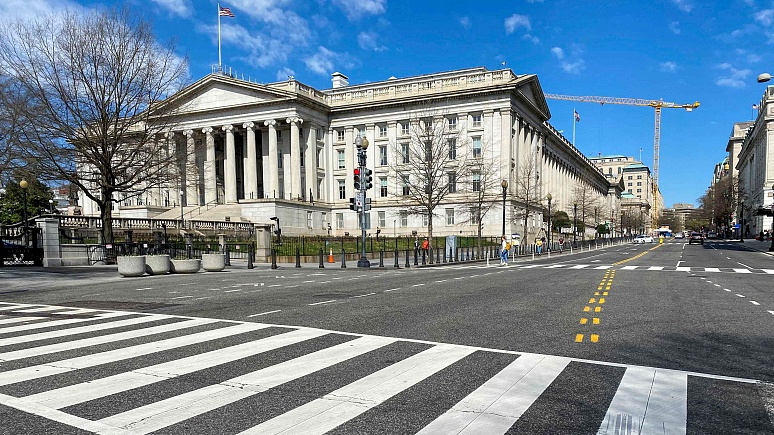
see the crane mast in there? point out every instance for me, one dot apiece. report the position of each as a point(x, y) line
point(657, 105)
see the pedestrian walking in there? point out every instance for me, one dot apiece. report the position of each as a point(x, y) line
point(425, 245)
point(504, 248)
point(538, 246)
point(561, 244)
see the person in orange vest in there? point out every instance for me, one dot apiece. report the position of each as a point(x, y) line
point(425, 245)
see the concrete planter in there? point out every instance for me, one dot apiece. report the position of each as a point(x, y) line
point(131, 265)
point(213, 262)
point(157, 264)
point(185, 266)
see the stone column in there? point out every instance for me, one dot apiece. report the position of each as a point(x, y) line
point(272, 169)
point(251, 168)
point(505, 148)
point(173, 169)
point(295, 158)
point(49, 241)
point(191, 171)
point(310, 163)
point(210, 183)
point(349, 162)
point(229, 169)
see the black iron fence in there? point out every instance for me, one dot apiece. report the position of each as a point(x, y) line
point(311, 245)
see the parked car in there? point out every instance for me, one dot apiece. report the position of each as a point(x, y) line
point(696, 238)
point(643, 239)
point(712, 235)
point(680, 235)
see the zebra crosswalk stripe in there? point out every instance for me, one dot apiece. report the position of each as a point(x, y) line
point(18, 320)
point(57, 323)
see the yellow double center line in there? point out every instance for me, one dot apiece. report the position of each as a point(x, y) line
point(595, 306)
point(637, 256)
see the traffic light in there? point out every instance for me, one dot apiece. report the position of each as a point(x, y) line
point(352, 205)
point(357, 178)
point(367, 181)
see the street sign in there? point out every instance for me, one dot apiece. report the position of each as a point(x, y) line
point(359, 199)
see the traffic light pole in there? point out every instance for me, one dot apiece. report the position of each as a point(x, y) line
point(361, 156)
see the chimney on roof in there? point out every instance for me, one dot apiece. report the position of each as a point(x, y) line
point(339, 80)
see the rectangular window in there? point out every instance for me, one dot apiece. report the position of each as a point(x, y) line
point(382, 219)
point(302, 159)
point(383, 155)
point(619, 170)
point(309, 219)
point(639, 183)
point(630, 184)
point(474, 216)
point(405, 184)
point(452, 143)
point(639, 190)
point(383, 187)
point(340, 157)
point(610, 171)
point(428, 125)
point(279, 136)
point(630, 177)
point(639, 177)
point(452, 177)
point(424, 220)
point(477, 146)
point(404, 128)
point(324, 220)
point(279, 159)
point(428, 151)
point(476, 120)
point(340, 135)
point(476, 181)
point(382, 131)
point(342, 189)
point(403, 218)
point(339, 221)
point(404, 150)
point(452, 124)
point(449, 216)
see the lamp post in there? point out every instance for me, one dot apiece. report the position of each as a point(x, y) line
point(504, 185)
point(771, 235)
point(23, 184)
point(574, 221)
point(51, 205)
point(596, 222)
point(362, 145)
point(549, 198)
point(741, 221)
point(181, 209)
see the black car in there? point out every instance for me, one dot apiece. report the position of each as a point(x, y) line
point(696, 238)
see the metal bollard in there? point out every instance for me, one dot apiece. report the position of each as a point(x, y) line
point(343, 259)
point(322, 265)
point(416, 257)
point(444, 255)
point(407, 258)
point(298, 258)
point(396, 259)
point(228, 257)
point(424, 262)
point(381, 258)
point(273, 259)
point(250, 253)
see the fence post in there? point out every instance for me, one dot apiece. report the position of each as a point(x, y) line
point(298, 258)
point(273, 258)
point(322, 266)
point(407, 258)
point(396, 257)
point(416, 257)
point(343, 259)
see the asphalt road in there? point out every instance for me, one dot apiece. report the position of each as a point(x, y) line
point(670, 338)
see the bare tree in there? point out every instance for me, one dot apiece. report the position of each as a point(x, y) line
point(431, 160)
point(485, 189)
point(586, 199)
point(96, 84)
point(528, 192)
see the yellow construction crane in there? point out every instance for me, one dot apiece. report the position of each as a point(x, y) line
point(656, 104)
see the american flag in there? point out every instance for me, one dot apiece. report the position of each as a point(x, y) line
point(226, 12)
point(577, 116)
point(755, 106)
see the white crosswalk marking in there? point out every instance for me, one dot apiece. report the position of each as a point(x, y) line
point(647, 401)
point(149, 418)
point(629, 268)
point(496, 405)
point(18, 320)
point(656, 268)
point(56, 323)
point(711, 269)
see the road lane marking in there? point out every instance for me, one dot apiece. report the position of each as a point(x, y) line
point(392, 289)
point(741, 296)
point(324, 302)
point(362, 296)
point(232, 291)
point(754, 303)
point(264, 313)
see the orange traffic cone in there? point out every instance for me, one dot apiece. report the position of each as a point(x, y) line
point(330, 256)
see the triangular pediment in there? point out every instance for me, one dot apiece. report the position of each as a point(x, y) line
point(531, 91)
point(215, 93)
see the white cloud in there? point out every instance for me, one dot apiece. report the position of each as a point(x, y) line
point(668, 66)
point(674, 27)
point(465, 22)
point(355, 9)
point(765, 16)
point(27, 10)
point(733, 78)
point(573, 63)
point(262, 50)
point(326, 61)
point(180, 8)
point(284, 74)
point(535, 40)
point(367, 41)
point(516, 21)
point(683, 5)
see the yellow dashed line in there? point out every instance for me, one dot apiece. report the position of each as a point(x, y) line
point(594, 338)
point(584, 320)
point(579, 338)
point(595, 320)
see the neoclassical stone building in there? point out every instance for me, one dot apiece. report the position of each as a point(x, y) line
point(255, 151)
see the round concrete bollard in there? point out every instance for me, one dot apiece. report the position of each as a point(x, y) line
point(185, 266)
point(131, 265)
point(213, 262)
point(157, 264)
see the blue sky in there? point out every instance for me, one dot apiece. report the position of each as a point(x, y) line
point(676, 50)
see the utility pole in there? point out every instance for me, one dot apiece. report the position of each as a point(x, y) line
point(361, 204)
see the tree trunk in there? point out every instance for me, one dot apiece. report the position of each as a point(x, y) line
point(106, 215)
point(430, 235)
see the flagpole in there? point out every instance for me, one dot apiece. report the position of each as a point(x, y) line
point(573, 126)
point(220, 67)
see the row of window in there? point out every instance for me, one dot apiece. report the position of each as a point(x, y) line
point(449, 213)
point(405, 127)
point(406, 155)
point(405, 188)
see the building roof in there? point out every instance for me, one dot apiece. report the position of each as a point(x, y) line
point(612, 156)
point(636, 167)
point(627, 195)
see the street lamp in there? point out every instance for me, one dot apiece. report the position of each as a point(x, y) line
point(51, 205)
point(763, 78)
point(596, 222)
point(504, 185)
point(549, 198)
point(574, 221)
point(181, 209)
point(361, 144)
point(23, 184)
